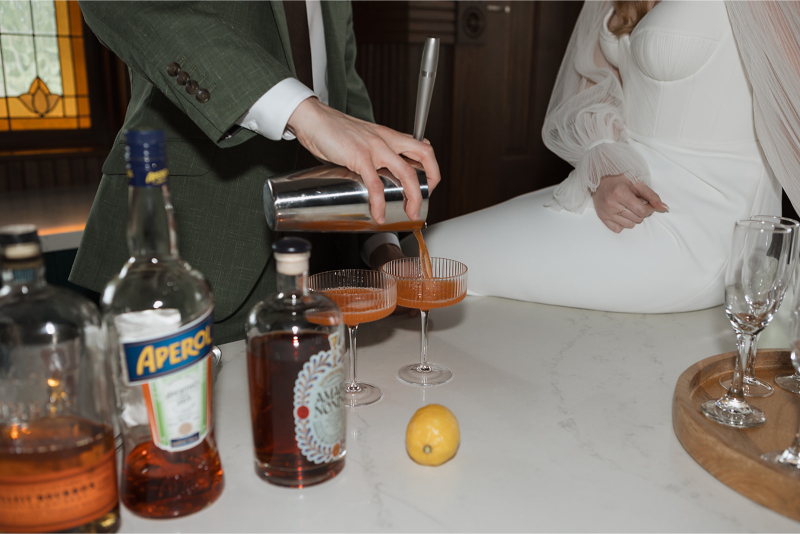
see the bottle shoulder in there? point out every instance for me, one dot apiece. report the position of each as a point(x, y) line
point(167, 284)
point(294, 312)
point(48, 304)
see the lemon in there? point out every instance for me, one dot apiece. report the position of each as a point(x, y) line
point(432, 436)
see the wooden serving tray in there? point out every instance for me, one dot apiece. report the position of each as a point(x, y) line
point(733, 455)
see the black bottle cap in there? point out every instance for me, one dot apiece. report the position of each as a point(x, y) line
point(14, 234)
point(291, 245)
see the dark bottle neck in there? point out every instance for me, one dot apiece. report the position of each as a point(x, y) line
point(151, 226)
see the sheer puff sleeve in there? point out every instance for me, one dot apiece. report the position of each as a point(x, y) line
point(767, 36)
point(584, 122)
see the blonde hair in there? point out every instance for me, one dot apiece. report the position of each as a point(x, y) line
point(629, 13)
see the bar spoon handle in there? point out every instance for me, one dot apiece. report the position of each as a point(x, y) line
point(427, 77)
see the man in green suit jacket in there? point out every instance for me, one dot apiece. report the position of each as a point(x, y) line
point(197, 68)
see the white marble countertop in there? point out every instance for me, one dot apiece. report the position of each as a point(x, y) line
point(566, 426)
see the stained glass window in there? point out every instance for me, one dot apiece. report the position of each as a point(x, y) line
point(43, 81)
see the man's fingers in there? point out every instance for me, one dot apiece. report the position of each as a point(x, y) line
point(418, 151)
point(408, 177)
point(377, 204)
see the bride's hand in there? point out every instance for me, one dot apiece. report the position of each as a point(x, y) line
point(621, 203)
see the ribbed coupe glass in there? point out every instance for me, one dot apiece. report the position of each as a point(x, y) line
point(363, 296)
point(447, 286)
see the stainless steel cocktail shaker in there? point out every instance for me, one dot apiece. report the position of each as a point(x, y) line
point(330, 198)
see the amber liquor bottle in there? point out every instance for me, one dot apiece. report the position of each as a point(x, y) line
point(159, 314)
point(295, 370)
point(58, 468)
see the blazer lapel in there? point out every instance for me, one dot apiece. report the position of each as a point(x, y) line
point(283, 31)
point(334, 48)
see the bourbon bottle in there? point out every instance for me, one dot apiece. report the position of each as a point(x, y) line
point(295, 370)
point(159, 315)
point(58, 467)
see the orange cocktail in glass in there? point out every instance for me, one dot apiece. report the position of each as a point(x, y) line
point(444, 286)
point(363, 296)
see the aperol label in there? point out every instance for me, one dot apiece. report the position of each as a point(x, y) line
point(60, 500)
point(147, 359)
point(174, 371)
point(319, 416)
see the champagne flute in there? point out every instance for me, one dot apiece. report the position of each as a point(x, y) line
point(446, 286)
point(755, 282)
point(363, 296)
point(755, 387)
point(790, 458)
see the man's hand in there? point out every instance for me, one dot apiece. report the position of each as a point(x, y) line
point(621, 203)
point(363, 148)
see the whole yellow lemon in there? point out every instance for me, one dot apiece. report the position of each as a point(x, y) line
point(432, 436)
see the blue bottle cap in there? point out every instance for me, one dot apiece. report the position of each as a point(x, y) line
point(144, 144)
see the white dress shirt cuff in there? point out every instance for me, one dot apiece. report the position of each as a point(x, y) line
point(270, 113)
point(375, 241)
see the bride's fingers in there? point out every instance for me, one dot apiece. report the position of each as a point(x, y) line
point(611, 225)
point(630, 215)
point(623, 221)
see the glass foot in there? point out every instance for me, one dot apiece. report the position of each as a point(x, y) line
point(732, 413)
point(784, 458)
point(362, 395)
point(753, 387)
point(434, 375)
point(789, 382)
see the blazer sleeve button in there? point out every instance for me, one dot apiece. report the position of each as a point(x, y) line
point(182, 78)
point(192, 87)
point(173, 69)
point(203, 96)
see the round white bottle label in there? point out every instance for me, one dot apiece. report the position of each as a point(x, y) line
point(319, 405)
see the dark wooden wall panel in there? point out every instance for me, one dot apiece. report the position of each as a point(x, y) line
point(25, 172)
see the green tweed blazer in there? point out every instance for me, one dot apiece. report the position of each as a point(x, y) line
point(237, 51)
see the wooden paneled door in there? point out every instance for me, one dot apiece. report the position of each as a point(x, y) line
point(506, 59)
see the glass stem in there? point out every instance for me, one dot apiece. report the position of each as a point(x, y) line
point(794, 449)
point(353, 386)
point(745, 343)
point(750, 367)
point(423, 343)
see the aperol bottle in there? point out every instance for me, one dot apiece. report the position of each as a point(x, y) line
point(295, 369)
point(159, 315)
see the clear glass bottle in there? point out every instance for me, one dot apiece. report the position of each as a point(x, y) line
point(58, 464)
point(159, 314)
point(296, 372)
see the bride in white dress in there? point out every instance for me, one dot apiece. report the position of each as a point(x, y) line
point(696, 103)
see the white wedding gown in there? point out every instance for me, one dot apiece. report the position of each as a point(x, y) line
point(684, 124)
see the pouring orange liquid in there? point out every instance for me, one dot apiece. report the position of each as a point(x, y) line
point(427, 293)
point(424, 256)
